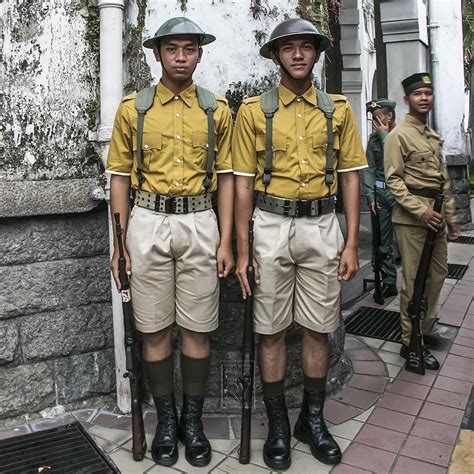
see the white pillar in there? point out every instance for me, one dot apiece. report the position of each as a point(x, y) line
point(111, 91)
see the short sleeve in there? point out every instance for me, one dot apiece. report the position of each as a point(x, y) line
point(243, 143)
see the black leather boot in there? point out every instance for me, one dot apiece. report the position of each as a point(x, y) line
point(431, 363)
point(311, 429)
point(277, 448)
point(164, 448)
point(191, 432)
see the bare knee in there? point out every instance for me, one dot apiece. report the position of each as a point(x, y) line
point(315, 337)
point(270, 342)
point(157, 342)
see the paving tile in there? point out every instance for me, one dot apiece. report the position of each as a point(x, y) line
point(459, 361)
point(368, 382)
point(346, 469)
point(462, 351)
point(358, 398)
point(305, 463)
point(52, 422)
point(392, 420)
point(391, 347)
point(409, 389)
point(231, 465)
point(371, 342)
point(258, 427)
point(443, 414)
point(362, 353)
point(352, 342)
point(381, 438)
point(110, 420)
point(427, 450)
point(426, 379)
point(124, 461)
point(449, 399)
point(396, 402)
point(369, 367)
point(16, 431)
point(458, 373)
point(463, 341)
point(216, 427)
point(451, 318)
point(435, 431)
point(367, 457)
point(412, 466)
point(337, 412)
point(393, 370)
point(453, 385)
point(468, 323)
point(391, 358)
point(347, 430)
point(109, 438)
point(224, 446)
point(440, 355)
point(365, 415)
point(86, 415)
point(183, 465)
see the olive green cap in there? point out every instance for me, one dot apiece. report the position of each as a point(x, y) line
point(375, 104)
point(179, 26)
point(294, 27)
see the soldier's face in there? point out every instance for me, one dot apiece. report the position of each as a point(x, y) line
point(179, 56)
point(298, 55)
point(421, 100)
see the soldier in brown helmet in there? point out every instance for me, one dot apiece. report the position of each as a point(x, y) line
point(291, 145)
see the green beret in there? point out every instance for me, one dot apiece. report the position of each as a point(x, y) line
point(417, 81)
point(375, 104)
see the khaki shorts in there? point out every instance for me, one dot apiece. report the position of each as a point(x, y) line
point(174, 269)
point(299, 260)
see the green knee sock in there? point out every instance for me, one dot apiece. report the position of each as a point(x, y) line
point(160, 376)
point(314, 384)
point(273, 389)
point(195, 373)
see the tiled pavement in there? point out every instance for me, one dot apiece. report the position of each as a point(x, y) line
point(385, 419)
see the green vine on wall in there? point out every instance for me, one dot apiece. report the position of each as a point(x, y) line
point(316, 12)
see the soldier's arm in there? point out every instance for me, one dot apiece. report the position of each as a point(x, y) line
point(368, 174)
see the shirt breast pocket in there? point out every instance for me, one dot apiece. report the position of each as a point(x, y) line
point(279, 145)
point(422, 161)
point(200, 147)
point(319, 149)
point(151, 147)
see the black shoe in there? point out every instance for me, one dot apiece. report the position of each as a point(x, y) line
point(164, 448)
point(430, 361)
point(311, 429)
point(389, 290)
point(277, 447)
point(191, 432)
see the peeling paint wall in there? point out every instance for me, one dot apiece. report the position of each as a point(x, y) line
point(50, 82)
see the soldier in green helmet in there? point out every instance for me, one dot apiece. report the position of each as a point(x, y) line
point(291, 145)
point(171, 145)
point(383, 120)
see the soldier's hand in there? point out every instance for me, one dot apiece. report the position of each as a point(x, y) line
point(432, 220)
point(374, 208)
point(348, 265)
point(241, 272)
point(379, 126)
point(114, 268)
point(225, 260)
point(453, 231)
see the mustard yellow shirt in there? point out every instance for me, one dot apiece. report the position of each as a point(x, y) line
point(299, 143)
point(174, 143)
point(413, 159)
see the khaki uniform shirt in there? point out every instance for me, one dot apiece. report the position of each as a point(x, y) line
point(413, 159)
point(299, 145)
point(174, 143)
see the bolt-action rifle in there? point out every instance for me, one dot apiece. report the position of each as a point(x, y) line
point(132, 352)
point(376, 254)
point(248, 359)
point(418, 305)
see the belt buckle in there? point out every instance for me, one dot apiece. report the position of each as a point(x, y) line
point(170, 204)
point(303, 208)
point(286, 208)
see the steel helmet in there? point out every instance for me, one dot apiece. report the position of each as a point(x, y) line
point(179, 26)
point(294, 27)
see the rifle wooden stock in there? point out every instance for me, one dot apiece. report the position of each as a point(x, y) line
point(415, 360)
point(248, 360)
point(377, 257)
point(132, 352)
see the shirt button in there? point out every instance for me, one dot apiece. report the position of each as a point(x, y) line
point(298, 99)
point(177, 183)
point(303, 184)
point(299, 115)
point(178, 136)
point(176, 97)
point(177, 115)
point(178, 161)
point(301, 137)
point(303, 161)
point(145, 146)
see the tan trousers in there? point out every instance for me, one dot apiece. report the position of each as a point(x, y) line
point(410, 242)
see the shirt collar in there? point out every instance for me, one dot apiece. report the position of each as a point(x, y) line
point(165, 95)
point(287, 96)
point(420, 126)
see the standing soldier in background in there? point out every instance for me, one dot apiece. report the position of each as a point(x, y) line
point(175, 253)
point(415, 172)
point(300, 254)
point(383, 120)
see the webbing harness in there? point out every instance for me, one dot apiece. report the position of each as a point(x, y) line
point(269, 103)
point(207, 102)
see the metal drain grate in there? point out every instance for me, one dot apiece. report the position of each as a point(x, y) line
point(374, 322)
point(65, 449)
point(463, 239)
point(456, 271)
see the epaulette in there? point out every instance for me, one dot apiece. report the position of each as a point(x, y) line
point(128, 97)
point(251, 100)
point(219, 98)
point(338, 98)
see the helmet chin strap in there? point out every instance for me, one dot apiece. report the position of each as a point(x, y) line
point(283, 68)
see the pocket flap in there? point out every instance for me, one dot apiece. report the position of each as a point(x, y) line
point(320, 140)
point(278, 142)
point(150, 141)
